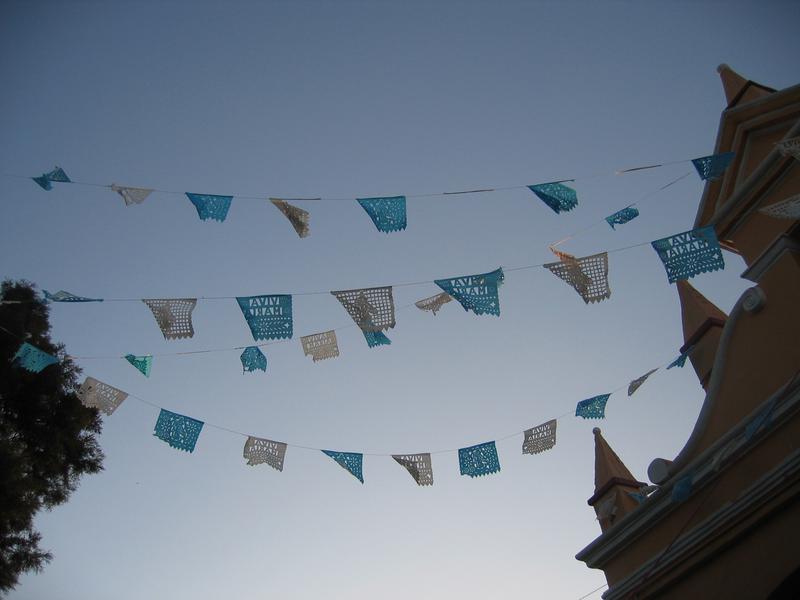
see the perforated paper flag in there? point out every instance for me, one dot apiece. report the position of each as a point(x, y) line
point(556, 195)
point(259, 451)
point(178, 431)
point(588, 275)
point(690, 253)
point(320, 346)
point(477, 293)
point(131, 195)
point(785, 209)
point(62, 296)
point(712, 167)
point(298, 217)
point(173, 315)
point(253, 358)
point(376, 338)
point(388, 214)
point(478, 460)
point(372, 309)
point(540, 438)
point(682, 489)
point(593, 408)
point(434, 303)
point(790, 147)
point(32, 359)
point(211, 207)
point(636, 383)
point(680, 361)
point(622, 216)
point(419, 465)
point(269, 317)
point(99, 395)
point(351, 461)
point(142, 363)
point(46, 179)
point(762, 419)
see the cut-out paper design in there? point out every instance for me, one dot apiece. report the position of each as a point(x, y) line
point(62, 296)
point(320, 346)
point(46, 179)
point(96, 394)
point(259, 451)
point(785, 209)
point(173, 315)
point(351, 461)
point(637, 383)
point(269, 317)
point(593, 408)
point(588, 275)
point(372, 309)
point(712, 167)
point(680, 361)
point(622, 216)
point(540, 438)
point(477, 293)
point(178, 431)
point(388, 214)
point(253, 358)
point(682, 489)
point(478, 460)
point(556, 195)
point(376, 338)
point(762, 419)
point(434, 303)
point(790, 147)
point(211, 207)
point(131, 195)
point(690, 253)
point(298, 217)
point(142, 363)
point(419, 465)
point(32, 359)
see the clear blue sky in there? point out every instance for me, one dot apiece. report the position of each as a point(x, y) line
point(349, 99)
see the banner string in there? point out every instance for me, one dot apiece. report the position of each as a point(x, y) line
point(481, 190)
point(560, 417)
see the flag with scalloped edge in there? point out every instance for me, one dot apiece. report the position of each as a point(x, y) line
point(592, 408)
point(690, 253)
point(711, 168)
point(45, 180)
point(142, 363)
point(179, 431)
point(388, 213)
point(33, 359)
point(556, 195)
point(62, 296)
point(350, 461)
point(210, 206)
point(477, 293)
point(478, 460)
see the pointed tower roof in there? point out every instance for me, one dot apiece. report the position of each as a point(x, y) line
point(702, 326)
point(607, 465)
point(739, 90)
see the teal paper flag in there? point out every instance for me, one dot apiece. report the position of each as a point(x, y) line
point(45, 180)
point(32, 359)
point(712, 167)
point(177, 430)
point(622, 216)
point(142, 363)
point(253, 358)
point(680, 361)
point(269, 317)
point(477, 293)
point(593, 408)
point(556, 195)
point(388, 214)
point(376, 338)
point(211, 207)
point(690, 253)
point(682, 489)
point(478, 460)
point(62, 296)
point(350, 461)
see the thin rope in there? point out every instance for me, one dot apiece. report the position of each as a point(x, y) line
point(481, 190)
point(595, 590)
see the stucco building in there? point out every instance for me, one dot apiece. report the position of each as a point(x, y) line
point(722, 518)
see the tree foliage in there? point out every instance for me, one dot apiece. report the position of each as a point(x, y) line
point(47, 437)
